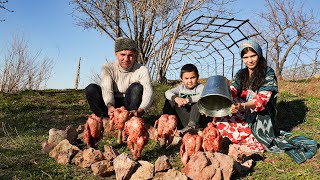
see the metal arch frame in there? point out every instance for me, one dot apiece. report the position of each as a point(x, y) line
point(213, 35)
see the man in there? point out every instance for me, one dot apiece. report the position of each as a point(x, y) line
point(123, 83)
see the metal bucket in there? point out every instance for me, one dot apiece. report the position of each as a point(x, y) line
point(215, 100)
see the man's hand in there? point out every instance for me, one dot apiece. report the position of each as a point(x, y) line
point(181, 101)
point(137, 113)
point(111, 110)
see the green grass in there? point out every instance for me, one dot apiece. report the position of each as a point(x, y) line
point(26, 118)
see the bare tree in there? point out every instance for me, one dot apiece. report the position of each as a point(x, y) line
point(315, 68)
point(22, 69)
point(2, 6)
point(290, 28)
point(154, 24)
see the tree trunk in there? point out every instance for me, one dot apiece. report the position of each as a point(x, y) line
point(118, 33)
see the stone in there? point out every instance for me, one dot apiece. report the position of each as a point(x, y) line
point(239, 153)
point(124, 166)
point(103, 168)
point(151, 130)
point(56, 136)
point(162, 164)
point(110, 153)
point(174, 174)
point(226, 164)
point(63, 152)
point(78, 159)
point(46, 147)
point(145, 171)
point(176, 140)
point(195, 165)
point(91, 156)
point(71, 134)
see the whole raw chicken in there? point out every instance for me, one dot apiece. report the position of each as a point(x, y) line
point(212, 139)
point(167, 125)
point(137, 136)
point(93, 131)
point(191, 143)
point(118, 119)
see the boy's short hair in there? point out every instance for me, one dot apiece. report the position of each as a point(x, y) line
point(189, 68)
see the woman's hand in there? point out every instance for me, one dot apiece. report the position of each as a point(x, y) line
point(235, 108)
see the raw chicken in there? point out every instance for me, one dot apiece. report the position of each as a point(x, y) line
point(212, 139)
point(167, 125)
point(191, 143)
point(137, 136)
point(93, 131)
point(118, 119)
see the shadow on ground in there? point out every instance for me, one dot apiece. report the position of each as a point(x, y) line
point(290, 114)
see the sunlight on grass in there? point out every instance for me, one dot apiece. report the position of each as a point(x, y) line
point(27, 116)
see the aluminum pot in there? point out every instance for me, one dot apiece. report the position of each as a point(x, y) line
point(215, 100)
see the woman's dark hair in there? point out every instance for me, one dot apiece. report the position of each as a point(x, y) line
point(259, 73)
point(189, 68)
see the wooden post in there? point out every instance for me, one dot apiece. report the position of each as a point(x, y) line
point(76, 82)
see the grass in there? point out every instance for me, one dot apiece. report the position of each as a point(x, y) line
point(26, 118)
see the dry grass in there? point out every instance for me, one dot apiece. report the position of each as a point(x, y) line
point(27, 117)
point(302, 87)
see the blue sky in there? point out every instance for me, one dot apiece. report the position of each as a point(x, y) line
point(49, 27)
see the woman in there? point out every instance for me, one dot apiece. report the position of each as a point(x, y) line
point(255, 89)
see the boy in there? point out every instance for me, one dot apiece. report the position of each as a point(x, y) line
point(182, 100)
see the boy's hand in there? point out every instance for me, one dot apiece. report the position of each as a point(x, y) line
point(181, 101)
point(203, 114)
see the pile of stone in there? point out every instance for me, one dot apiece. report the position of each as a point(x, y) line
point(62, 146)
